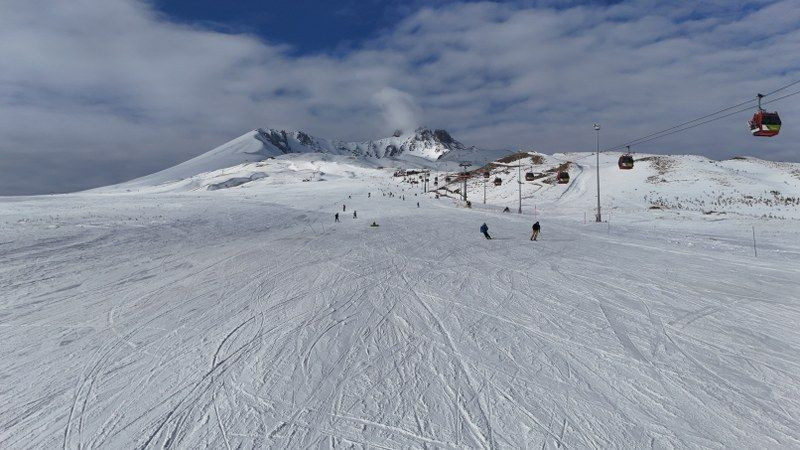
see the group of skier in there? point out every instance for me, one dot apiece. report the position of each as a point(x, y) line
point(355, 213)
point(336, 216)
point(534, 231)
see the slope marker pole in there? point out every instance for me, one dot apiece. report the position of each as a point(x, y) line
point(755, 250)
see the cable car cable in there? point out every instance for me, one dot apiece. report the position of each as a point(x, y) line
point(782, 88)
point(644, 138)
point(668, 131)
point(717, 118)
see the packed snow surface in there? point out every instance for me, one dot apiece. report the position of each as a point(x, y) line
point(226, 309)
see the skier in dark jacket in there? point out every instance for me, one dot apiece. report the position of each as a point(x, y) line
point(485, 231)
point(355, 216)
point(336, 217)
point(344, 208)
point(535, 231)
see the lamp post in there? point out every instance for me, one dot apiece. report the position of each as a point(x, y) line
point(465, 165)
point(598, 217)
point(519, 184)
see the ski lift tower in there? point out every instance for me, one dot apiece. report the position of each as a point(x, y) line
point(465, 165)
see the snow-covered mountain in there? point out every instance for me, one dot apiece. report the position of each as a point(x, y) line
point(658, 184)
point(421, 146)
point(238, 301)
point(423, 142)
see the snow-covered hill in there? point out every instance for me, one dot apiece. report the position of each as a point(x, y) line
point(245, 317)
point(657, 185)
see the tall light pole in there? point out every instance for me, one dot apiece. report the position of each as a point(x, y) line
point(519, 183)
point(598, 218)
point(464, 176)
point(484, 189)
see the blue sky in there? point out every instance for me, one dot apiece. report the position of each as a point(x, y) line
point(312, 26)
point(308, 26)
point(94, 92)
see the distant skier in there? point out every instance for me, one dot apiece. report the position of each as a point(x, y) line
point(417, 204)
point(355, 216)
point(369, 194)
point(535, 231)
point(344, 208)
point(336, 217)
point(485, 231)
point(506, 209)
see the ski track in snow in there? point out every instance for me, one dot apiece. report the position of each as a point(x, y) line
point(247, 318)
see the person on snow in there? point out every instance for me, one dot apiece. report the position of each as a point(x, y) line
point(535, 231)
point(336, 217)
point(506, 209)
point(485, 231)
point(369, 194)
point(344, 208)
point(417, 204)
point(355, 216)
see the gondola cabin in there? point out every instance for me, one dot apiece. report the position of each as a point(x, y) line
point(498, 181)
point(529, 176)
point(562, 178)
point(625, 162)
point(765, 124)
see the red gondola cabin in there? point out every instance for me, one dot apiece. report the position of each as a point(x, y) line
point(765, 124)
point(625, 162)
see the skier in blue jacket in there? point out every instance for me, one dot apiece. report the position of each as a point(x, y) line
point(485, 231)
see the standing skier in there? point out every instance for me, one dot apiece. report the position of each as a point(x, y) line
point(336, 217)
point(344, 208)
point(355, 216)
point(485, 231)
point(535, 231)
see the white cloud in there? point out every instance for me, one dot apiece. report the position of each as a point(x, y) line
point(97, 91)
point(399, 109)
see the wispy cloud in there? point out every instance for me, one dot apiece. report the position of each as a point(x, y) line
point(98, 91)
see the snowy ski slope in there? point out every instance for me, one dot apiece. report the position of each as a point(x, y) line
point(242, 317)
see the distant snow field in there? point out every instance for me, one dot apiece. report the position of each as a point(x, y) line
point(218, 304)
